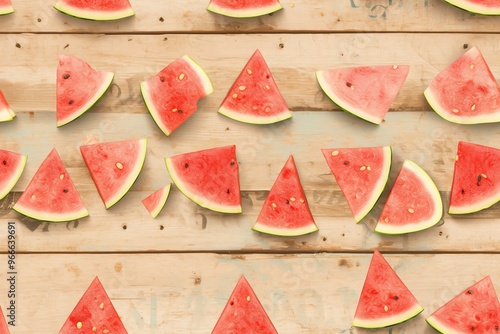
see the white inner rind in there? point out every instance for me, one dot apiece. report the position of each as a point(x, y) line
point(93, 14)
point(165, 191)
point(286, 232)
point(389, 321)
point(475, 7)
point(247, 12)
point(254, 119)
point(201, 74)
point(6, 10)
point(6, 114)
point(474, 207)
point(50, 216)
point(14, 177)
point(440, 327)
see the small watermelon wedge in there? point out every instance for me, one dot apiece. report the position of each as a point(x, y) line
point(172, 95)
point(484, 7)
point(11, 168)
point(209, 177)
point(51, 194)
point(475, 310)
point(6, 114)
point(78, 88)
point(361, 174)
point(414, 203)
point(285, 211)
point(476, 178)
point(385, 300)
point(244, 313)
point(466, 92)
point(4, 328)
point(94, 313)
point(244, 8)
point(367, 91)
point(98, 10)
point(6, 7)
point(254, 97)
point(114, 167)
point(156, 201)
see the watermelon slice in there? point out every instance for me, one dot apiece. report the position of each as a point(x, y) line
point(6, 7)
point(156, 201)
point(99, 10)
point(244, 313)
point(476, 179)
point(6, 114)
point(244, 8)
point(11, 167)
point(466, 92)
point(51, 195)
point(78, 88)
point(114, 167)
point(367, 91)
point(285, 211)
point(414, 202)
point(254, 97)
point(172, 95)
point(208, 177)
point(4, 328)
point(385, 300)
point(484, 7)
point(94, 313)
point(475, 310)
point(361, 174)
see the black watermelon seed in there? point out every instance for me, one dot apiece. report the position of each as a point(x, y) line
point(228, 191)
point(179, 111)
point(479, 180)
point(396, 297)
point(463, 191)
point(348, 84)
point(232, 163)
point(470, 292)
point(65, 190)
point(346, 162)
point(71, 101)
point(472, 328)
point(4, 162)
point(162, 79)
point(287, 202)
point(496, 328)
point(66, 76)
point(186, 165)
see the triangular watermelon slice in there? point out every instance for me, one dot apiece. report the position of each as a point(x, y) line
point(385, 300)
point(99, 10)
point(254, 97)
point(114, 167)
point(172, 95)
point(94, 313)
point(466, 92)
point(6, 114)
point(361, 174)
point(476, 179)
point(78, 88)
point(6, 7)
point(156, 201)
point(484, 7)
point(367, 91)
point(11, 168)
point(51, 195)
point(414, 203)
point(208, 177)
point(475, 310)
point(243, 313)
point(285, 211)
point(244, 8)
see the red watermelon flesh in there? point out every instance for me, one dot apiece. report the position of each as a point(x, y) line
point(466, 92)
point(385, 300)
point(11, 167)
point(361, 174)
point(114, 167)
point(476, 179)
point(475, 310)
point(285, 211)
point(208, 177)
point(243, 313)
point(51, 194)
point(172, 95)
point(254, 97)
point(6, 114)
point(244, 8)
point(4, 328)
point(6, 7)
point(485, 7)
point(94, 313)
point(96, 9)
point(155, 201)
point(367, 91)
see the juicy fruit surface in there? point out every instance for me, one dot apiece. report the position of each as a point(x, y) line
point(78, 87)
point(155, 202)
point(243, 313)
point(11, 167)
point(208, 177)
point(114, 167)
point(474, 310)
point(476, 178)
point(101, 10)
point(361, 174)
point(385, 300)
point(466, 91)
point(51, 194)
point(367, 92)
point(254, 97)
point(414, 202)
point(94, 313)
point(486, 7)
point(172, 95)
point(285, 210)
point(244, 8)
point(101, 5)
point(6, 114)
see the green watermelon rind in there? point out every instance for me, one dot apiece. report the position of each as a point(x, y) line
point(474, 8)
point(478, 206)
point(384, 228)
point(50, 216)
point(94, 15)
point(389, 321)
point(8, 9)
point(106, 83)
point(252, 119)
point(438, 326)
point(16, 175)
point(244, 13)
point(161, 203)
point(285, 232)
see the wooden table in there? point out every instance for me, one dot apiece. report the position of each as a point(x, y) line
point(175, 273)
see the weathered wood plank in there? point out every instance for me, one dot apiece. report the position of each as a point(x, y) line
point(155, 16)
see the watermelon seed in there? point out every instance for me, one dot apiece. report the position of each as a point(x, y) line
point(66, 76)
point(179, 111)
point(267, 87)
point(368, 168)
point(395, 67)
point(473, 107)
point(235, 95)
point(362, 168)
point(101, 306)
point(174, 110)
point(249, 71)
point(4, 162)
point(496, 327)
point(463, 191)
point(65, 190)
point(410, 210)
point(471, 66)
point(301, 200)
point(162, 79)
point(186, 165)
point(470, 292)
point(396, 297)
point(61, 176)
point(71, 101)
point(386, 220)
point(274, 205)
point(79, 325)
point(335, 153)
point(357, 196)
point(267, 109)
point(181, 77)
point(472, 328)
point(292, 199)
point(478, 180)
point(287, 202)
point(231, 303)
point(119, 165)
point(455, 110)
point(94, 329)
point(386, 308)
point(484, 176)
point(106, 331)
point(232, 163)
point(346, 162)
point(348, 84)
point(248, 298)
point(228, 191)
point(456, 157)
point(242, 88)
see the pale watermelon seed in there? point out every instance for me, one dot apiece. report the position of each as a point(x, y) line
point(267, 87)
point(455, 110)
point(357, 196)
point(235, 95)
point(410, 210)
point(386, 220)
point(386, 308)
point(292, 199)
point(395, 67)
point(274, 205)
point(473, 107)
point(362, 168)
point(368, 168)
point(66, 76)
point(119, 165)
point(242, 88)
point(301, 200)
point(335, 153)
point(248, 298)
point(94, 329)
point(484, 176)
point(105, 331)
point(101, 306)
point(61, 176)
point(471, 66)
point(456, 157)
point(249, 71)
point(79, 325)
point(267, 109)
point(174, 110)
point(181, 77)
